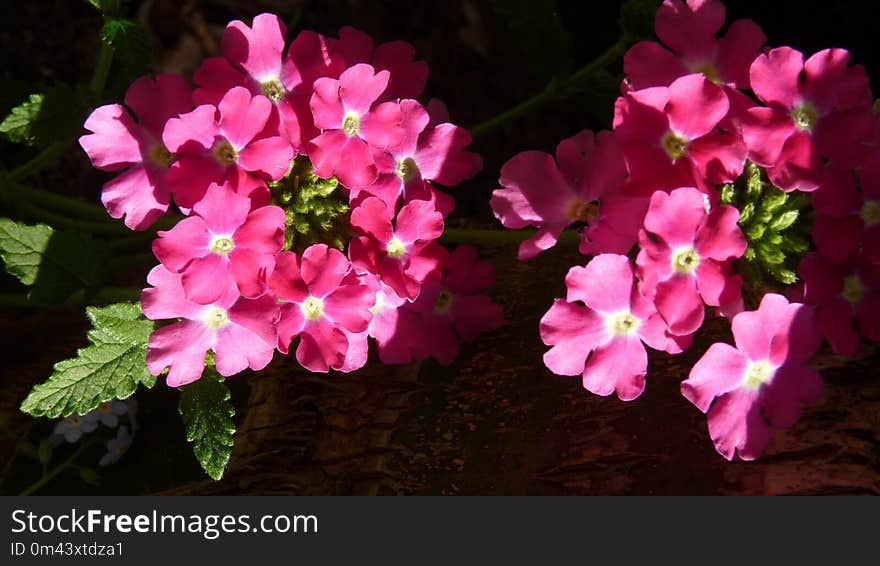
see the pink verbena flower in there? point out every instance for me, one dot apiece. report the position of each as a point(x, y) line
point(690, 30)
point(230, 150)
point(140, 193)
point(685, 257)
point(407, 78)
point(764, 378)
point(352, 125)
point(670, 135)
point(403, 254)
point(447, 308)
point(603, 338)
point(815, 109)
point(847, 299)
point(325, 300)
point(386, 326)
point(846, 218)
point(223, 246)
point(426, 153)
point(241, 332)
point(584, 184)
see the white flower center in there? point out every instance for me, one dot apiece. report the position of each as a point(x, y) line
point(216, 318)
point(222, 244)
point(685, 260)
point(312, 308)
point(395, 248)
point(622, 323)
point(805, 116)
point(351, 125)
point(757, 374)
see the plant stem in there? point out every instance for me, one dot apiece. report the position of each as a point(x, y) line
point(555, 89)
point(47, 477)
point(470, 236)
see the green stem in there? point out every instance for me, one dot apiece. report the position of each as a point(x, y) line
point(47, 477)
point(554, 90)
point(41, 160)
point(470, 236)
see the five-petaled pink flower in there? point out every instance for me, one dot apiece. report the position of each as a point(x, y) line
point(815, 109)
point(324, 300)
point(117, 142)
point(685, 257)
point(403, 254)
point(764, 378)
point(352, 125)
point(584, 184)
point(603, 338)
point(222, 246)
point(241, 332)
point(231, 150)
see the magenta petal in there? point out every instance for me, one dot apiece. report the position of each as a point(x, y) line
point(620, 365)
point(249, 340)
point(593, 165)
point(696, 105)
point(214, 77)
point(791, 387)
point(837, 196)
point(373, 218)
point(676, 216)
point(647, 64)
point(736, 51)
point(408, 77)
point(197, 128)
point(837, 238)
point(268, 155)
point(357, 353)
point(765, 131)
point(208, 278)
point(841, 137)
point(418, 222)
point(262, 231)
point(180, 348)
point(441, 155)
point(753, 330)
point(348, 306)
point(797, 335)
point(325, 104)
point(543, 240)
point(736, 424)
point(354, 166)
point(720, 236)
point(383, 126)
point(605, 284)
point(535, 192)
point(154, 101)
point(242, 117)
point(166, 299)
point(717, 287)
point(188, 239)
point(836, 321)
point(323, 268)
point(257, 50)
point(679, 303)
point(573, 331)
point(718, 156)
point(799, 166)
point(139, 194)
point(360, 86)
point(222, 210)
point(248, 269)
point(290, 324)
point(720, 370)
point(321, 347)
point(115, 141)
point(690, 26)
point(775, 76)
point(473, 315)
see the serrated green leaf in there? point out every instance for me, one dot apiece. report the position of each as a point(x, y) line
point(54, 264)
point(207, 416)
point(110, 367)
point(43, 118)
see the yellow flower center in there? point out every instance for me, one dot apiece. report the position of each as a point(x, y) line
point(444, 302)
point(757, 374)
point(853, 290)
point(582, 211)
point(685, 260)
point(622, 324)
point(222, 245)
point(395, 248)
point(406, 169)
point(708, 70)
point(160, 155)
point(674, 145)
point(216, 318)
point(805, 116)
point(225, 153)
point(273, 90)
point(351, 125)
point(870, 212)
point(312, 308)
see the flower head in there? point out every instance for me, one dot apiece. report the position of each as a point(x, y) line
point(116, 447)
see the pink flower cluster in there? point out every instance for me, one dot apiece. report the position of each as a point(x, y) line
point(224, 279)
point(645, 200)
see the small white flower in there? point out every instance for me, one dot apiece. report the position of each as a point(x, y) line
point(73, 427)
point(116, 447)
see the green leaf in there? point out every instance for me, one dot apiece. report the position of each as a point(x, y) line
point(538, 31)
point(207, 416)
point(746, 214)
point(131, 46)
point(43, 118)
point(770, 254)
point(54, 264)
point(110, 367)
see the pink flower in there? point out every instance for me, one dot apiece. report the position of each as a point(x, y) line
point(847, 299)
point(670, 135)
point(325, 301)
point(584, 184)
point(407, 78)
point(685, 257)
point(241, 332)
point(689, 29)
point(401, 255)
point(765, 377)
point(353, 125)
point(445, 309)
point(426, 153)
point(117, 142)
point(231, 150)
point(602, 339)
point(387, 327)
point(223, 246)
point(847, 219)
point(821, 108)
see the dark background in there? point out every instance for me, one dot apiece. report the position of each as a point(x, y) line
point(480, 67)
